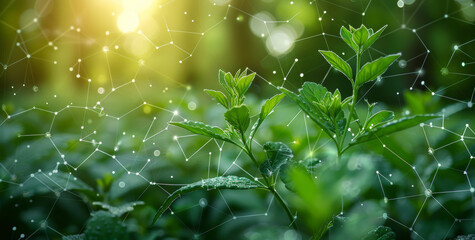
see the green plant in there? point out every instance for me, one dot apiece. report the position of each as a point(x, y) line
point(236, 132)
point(327, 110)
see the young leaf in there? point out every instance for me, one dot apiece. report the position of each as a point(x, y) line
point(335, 106)
point(347, 37)
point(310, 109)
point(338, 63)
point(238, 117)
point(370, 71)
point(219, 96)
point(360, 36)
point(277, 154)
point(378, 118)
point(373, 38)
point(269, 105)
point(392, 127)
point(266, 109)
point(244, 83)
point(230, 81)
point(222, 81)
point(227, 182)
point(203, 129)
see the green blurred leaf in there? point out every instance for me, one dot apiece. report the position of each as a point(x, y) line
point(105, 226)
point(381, 233)
point(227, 182)
point(370, 71)
point(308, 165)
point(465, 237)
point(392, 127)
point(74, 237)
point(338, 63)
point(56, 182)
point(203, 129)
point(120, 210)
point(378, 119)
point(238, 117)
point(218, 96)
point(277, 154)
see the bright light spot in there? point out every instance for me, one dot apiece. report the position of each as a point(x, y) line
point(128, 21)
point(280, 41)
point(400, 4)
point(137, 5)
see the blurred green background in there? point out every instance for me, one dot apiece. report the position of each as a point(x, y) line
point(116, 71)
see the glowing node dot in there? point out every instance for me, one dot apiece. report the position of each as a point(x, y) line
point(428, 193)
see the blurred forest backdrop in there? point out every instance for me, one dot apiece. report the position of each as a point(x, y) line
point(88, 87)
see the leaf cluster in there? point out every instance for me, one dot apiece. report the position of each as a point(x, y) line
point(335, 115)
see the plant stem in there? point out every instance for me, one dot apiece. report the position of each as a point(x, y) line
point(285, 207)
point(340, 147)
point(269, 187)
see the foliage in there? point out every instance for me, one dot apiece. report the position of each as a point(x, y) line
point(238, 120)
point(327, 109)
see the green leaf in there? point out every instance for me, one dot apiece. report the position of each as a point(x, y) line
point(340, 122)
point(45, 182)
point(120, 210)
point(338, 63)
point(335, 106)
point(266, 110)
point(238, 117)
point(378, 118)
point(269, 105)
point(218, 96)
point(244, 83)
point(203, 129)
point(313, 92)
point(74, 237)
point(277, 154)
point(392, 127)
point(360, 36)
point(347, 37)
point(309, 165)
point(227, 182)
point(105, 226)
point(229, 79)
point(310, 109)
point(381, 233)
point(370, 71)
point(465, 237)
point(222, 81)
point(373, 38)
